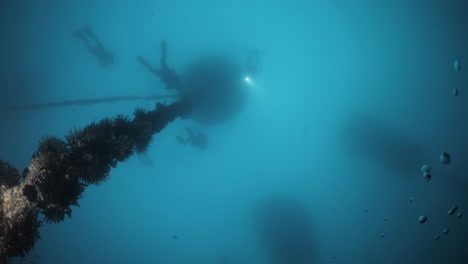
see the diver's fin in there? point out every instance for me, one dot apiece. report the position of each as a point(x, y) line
point(87, 30)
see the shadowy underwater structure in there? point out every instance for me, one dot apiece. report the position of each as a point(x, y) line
point(62, 168)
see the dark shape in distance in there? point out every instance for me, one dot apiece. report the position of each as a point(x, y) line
point(195, 138)
point(105, 57)
point(166, 74)
point(284, 228)
point(371, 139)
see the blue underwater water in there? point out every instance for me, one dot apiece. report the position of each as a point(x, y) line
point(322, 164)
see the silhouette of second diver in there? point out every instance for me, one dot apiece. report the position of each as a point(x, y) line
point(105, 57)
point(167, 75)
point(195, 138)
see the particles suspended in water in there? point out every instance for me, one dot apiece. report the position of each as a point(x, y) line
point(459, 215)
point(445, 231)
point(385, 218)
point(452, 210)
point(445, 158)
point(457, 66)
point(422, 219)
point(411, 199)
point(455, 91)
point(425, 168)
point(427, 176)
point(436, 237)
point(382, 235)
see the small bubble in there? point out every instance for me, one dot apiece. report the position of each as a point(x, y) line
point(427, 176)
point(452, 210)
point(455, 91)
point(445, 158)
point(436, 237)
point(422, 219)
point(425, 168)
point(385, 218)
point(382, 235)
point(411, 199)
point(457, 66)
point(445, 231)
point(459, 215)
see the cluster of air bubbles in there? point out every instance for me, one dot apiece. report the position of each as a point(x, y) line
point(426, 172)
point(445, 159)
point(451, 211)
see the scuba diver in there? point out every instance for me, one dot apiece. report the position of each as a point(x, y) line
point(195, 138)
point(167, 75)
point(104, 56)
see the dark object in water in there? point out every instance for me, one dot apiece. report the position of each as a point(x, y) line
point(104, 56)
point(370, 138)
point(284, 228)
point(196, 138)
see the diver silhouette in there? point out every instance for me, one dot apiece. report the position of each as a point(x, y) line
point(167, 75)
point(195, 138)
point(104, 56)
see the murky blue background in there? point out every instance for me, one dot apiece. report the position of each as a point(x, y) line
point(351, 99)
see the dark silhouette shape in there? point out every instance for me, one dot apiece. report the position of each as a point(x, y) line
point(219, 88)
point(105, 57)
point(370, 138)
point(167, 75)
point(195, 138)
point(284, 228)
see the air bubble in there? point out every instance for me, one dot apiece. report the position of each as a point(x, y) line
point(452, 210)
point(457, 66)
point(422, 219)
point(455, 91)
point(445, 231)
point(427, 176)
point(425, 168)
point(445, 158)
